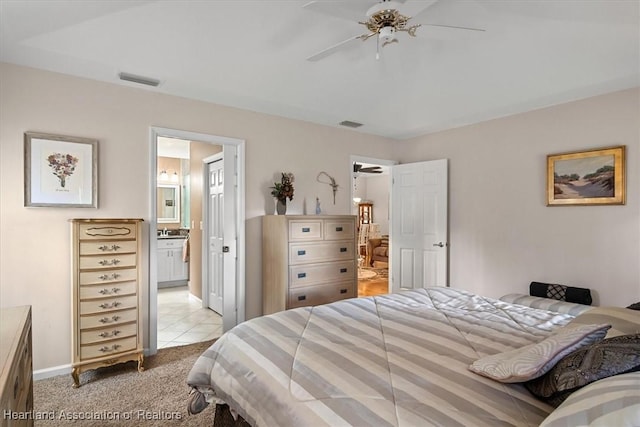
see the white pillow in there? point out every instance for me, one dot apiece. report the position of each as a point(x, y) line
point(534, 360)
point(613, 401)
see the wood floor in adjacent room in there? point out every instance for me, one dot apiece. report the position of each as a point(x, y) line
point(373, 281)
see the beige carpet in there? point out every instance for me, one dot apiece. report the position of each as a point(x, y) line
point(155, 397)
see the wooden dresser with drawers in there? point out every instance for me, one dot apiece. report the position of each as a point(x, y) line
point(107, 290)
point(16, 367)
point(307, 260)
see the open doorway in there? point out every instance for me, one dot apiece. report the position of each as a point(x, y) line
point(189, 219)
point(371, 185)
point(182, 319)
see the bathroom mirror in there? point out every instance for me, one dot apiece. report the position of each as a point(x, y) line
point(168, 205)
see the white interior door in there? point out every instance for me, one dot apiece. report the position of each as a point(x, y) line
point(419, 225)
point(215, 238)
point(222, 235)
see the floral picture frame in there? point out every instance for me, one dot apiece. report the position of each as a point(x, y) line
point(60, 171)
point(593, 177)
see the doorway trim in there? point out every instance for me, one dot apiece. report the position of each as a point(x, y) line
point(150, 330)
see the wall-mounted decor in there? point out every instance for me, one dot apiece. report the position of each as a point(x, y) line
point(60, 171)
point(332, 183)
point(594, 177)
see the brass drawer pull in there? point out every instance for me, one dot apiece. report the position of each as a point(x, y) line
point(107, 262)
point(338, 228)
point(343, 291)
point(107, 320)
point(112, 348)
point(343, 249)
point(112, 276)
point(306, 229)
point(109, 335)
point(112, 305)
point(302, 297)
point(108, 292)
point(302, 275)
point(302, 252)
point(105, 248)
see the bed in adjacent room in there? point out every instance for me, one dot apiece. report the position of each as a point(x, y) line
point(422, 357)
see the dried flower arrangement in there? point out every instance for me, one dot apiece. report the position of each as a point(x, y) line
point(63, 166)
point(283, 189)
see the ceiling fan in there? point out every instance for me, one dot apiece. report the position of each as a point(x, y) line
point(358, 168)
point(384, 21)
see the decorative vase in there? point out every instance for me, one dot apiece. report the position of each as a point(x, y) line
point(281, 207)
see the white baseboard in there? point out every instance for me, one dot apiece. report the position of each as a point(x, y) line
point(194, 298)
point(41, 374)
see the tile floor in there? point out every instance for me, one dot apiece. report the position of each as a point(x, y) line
point(182, 320)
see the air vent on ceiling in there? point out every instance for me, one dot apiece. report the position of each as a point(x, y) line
point(139, 79)
point(350, 124)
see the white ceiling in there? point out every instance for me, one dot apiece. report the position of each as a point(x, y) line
point(252, 55)
point(173, 147)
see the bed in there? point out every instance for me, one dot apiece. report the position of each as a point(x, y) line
point(401, 359)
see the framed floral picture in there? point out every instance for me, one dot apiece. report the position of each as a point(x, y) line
point(595, 177)
point(60, 171)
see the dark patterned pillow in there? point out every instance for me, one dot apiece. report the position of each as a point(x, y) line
point(611, 356)
point(635, 306)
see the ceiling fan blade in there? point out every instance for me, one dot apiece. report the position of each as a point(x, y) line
point(455, 27)
point(331, 50)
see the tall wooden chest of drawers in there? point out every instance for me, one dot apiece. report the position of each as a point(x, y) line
point(307, 260)
point(107, 290)
point(16, 367)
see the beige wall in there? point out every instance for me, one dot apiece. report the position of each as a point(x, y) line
point(502, 236)
point(35, 242)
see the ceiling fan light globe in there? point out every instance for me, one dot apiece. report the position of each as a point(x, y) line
point(386, 34)
point(385, 5)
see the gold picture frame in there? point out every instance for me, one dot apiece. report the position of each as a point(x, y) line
point(60, 171)
point(593, 177)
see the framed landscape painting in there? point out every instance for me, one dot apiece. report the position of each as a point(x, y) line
point(595, 177)
point(60, 171)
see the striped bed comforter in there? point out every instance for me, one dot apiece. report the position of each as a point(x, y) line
point(393, 360)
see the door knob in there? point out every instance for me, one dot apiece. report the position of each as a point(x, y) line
point(439, 244)
point(225, 249)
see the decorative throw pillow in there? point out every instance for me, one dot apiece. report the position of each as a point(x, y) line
point(560, 292)
point(609, 357)
point(623, 321)
point(613, 401)
point(534, 360)
point(635, 306)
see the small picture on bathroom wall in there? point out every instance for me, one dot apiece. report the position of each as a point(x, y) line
point(60, 171)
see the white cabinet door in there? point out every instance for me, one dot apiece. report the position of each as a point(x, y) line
point(164, 265)
point(171, 265)
point(180, 269)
